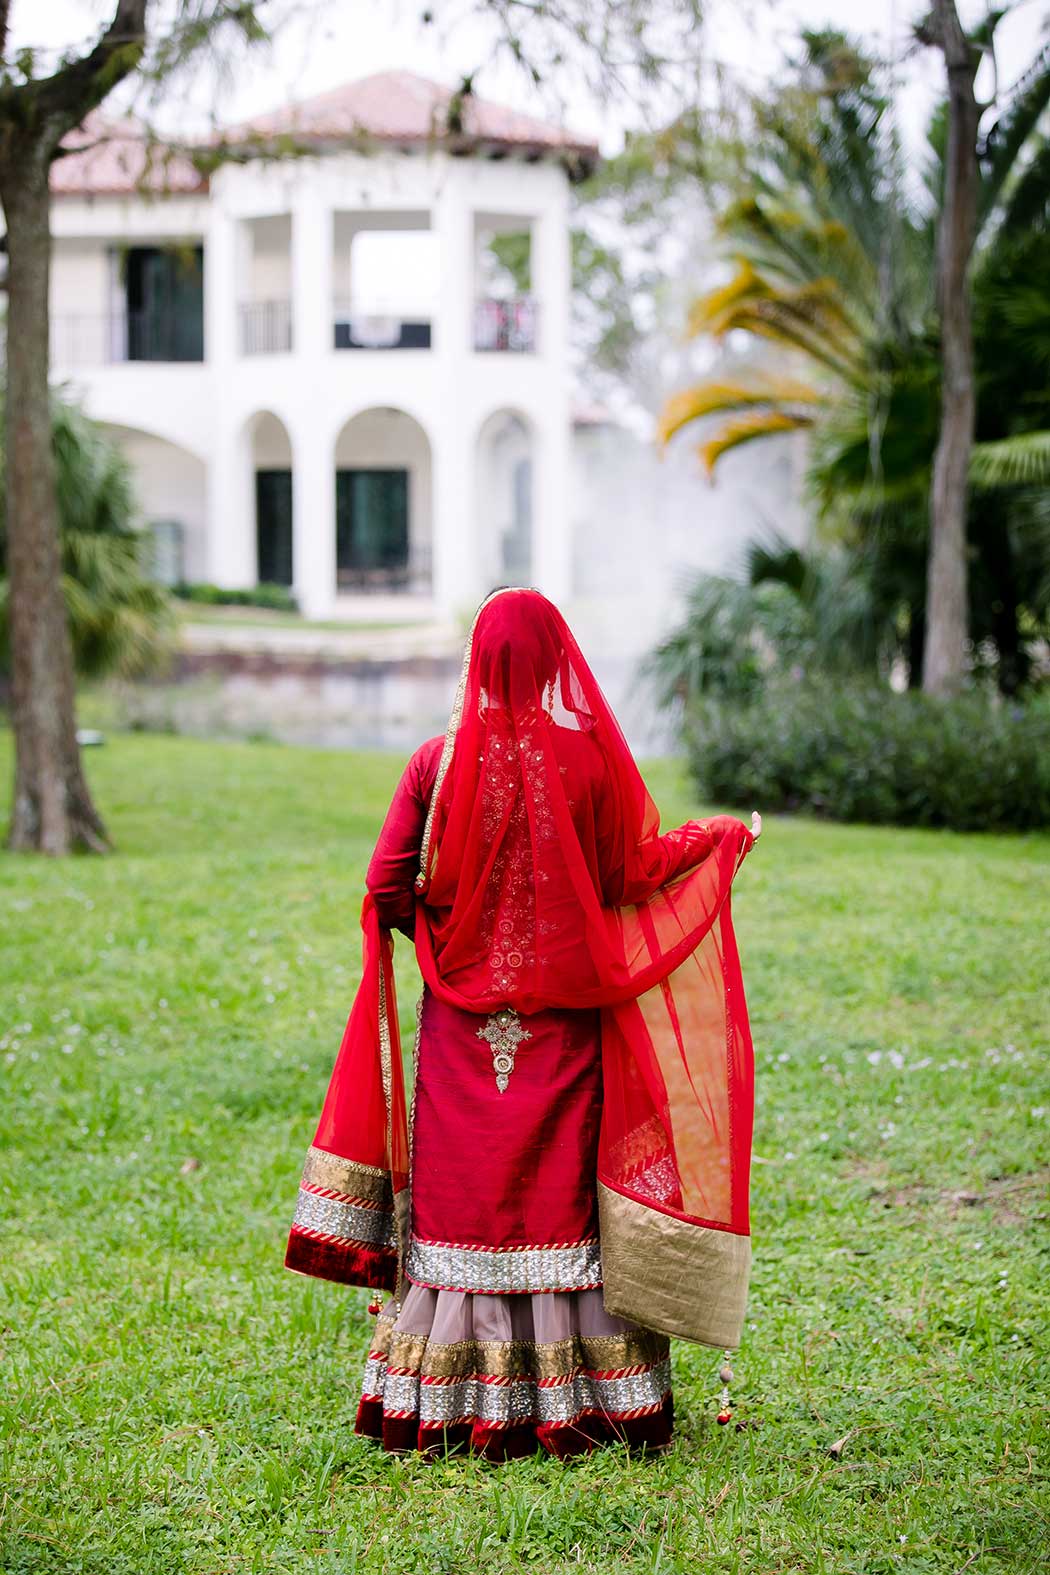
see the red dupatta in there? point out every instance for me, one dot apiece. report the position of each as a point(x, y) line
point(544, 881)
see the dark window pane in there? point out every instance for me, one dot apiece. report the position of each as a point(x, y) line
point(165, 303)
point(273, 526)
point(371, 528)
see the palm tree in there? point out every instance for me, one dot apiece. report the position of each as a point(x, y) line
point(834, 266)
point(120, 620)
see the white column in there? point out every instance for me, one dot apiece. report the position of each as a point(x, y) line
point(453, 221)
point(313, 462)
point(230, 539)
point(551, 273)
point(312, 317)
point(551, 513)
point(230, 543)
point(455, 567)
point(223, 247)
point(313, 517)
point(457, 572)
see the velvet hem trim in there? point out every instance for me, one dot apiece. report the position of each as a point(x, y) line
point(404, 1434)
point(346, 1262)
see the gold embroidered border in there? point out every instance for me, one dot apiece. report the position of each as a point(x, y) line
point(350, 1180)
point(385, 1060)
point(681, 1279)
point(549, 1360)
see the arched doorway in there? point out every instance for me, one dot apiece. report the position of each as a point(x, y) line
point(383, 506)
point(504, 498)
point(170, 486)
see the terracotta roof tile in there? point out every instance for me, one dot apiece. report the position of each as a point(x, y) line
point(401, 107)
point(112, 157)
point(115, 157)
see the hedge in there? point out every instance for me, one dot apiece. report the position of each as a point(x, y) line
point(866, 753)
point(278, 598)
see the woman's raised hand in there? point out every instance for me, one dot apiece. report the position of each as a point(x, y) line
point(756, 824)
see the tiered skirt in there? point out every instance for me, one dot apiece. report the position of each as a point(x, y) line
point(505, 1375)
point(502, 1344)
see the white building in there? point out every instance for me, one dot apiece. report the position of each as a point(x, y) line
point(386, 430)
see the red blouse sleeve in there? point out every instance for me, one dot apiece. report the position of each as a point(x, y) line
point(394, 864)
point(656, 862)
point(632, 875)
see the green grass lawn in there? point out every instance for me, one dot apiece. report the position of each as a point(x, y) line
point(174, 1400)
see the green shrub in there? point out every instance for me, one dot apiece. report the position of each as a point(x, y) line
point(278, 598)
point(863, 752)
point(120, 620)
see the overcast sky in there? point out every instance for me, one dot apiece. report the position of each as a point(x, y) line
point(339, 40)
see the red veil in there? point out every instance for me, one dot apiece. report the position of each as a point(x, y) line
point(544, 881)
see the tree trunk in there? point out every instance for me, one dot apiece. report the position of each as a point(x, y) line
point(944, 661)
point(52, 810)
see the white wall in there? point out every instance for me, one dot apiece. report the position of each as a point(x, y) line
point(270, 264)
point(503, 442)
point(643, 528)
point(271, 446)
point(169, 485)
point(79, 277)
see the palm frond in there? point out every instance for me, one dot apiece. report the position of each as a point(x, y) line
point(778, 561)
point(805, 322)
point(708, 311)
point(1011, 462)
point(745, 429)
point(1027, 201)
point(1008, 137)
point(789, 242)
point(120, 620)
point(719, 398)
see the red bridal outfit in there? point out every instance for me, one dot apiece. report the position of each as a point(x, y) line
point(570, 1186)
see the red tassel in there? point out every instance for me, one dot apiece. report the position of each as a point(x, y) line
point(724, 1417)
point(375, 1307)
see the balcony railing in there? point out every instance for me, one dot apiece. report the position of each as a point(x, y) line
point(356, 330)
point(411, 577)
point(87, 339)
point(505, 325)
point(265, 327)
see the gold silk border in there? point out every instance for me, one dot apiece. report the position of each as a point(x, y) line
point(549, 1360)
point(329, 1173)
point(684, 1280)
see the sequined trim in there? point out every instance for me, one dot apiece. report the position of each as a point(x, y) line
point(503, 1033)
point(659, 1181)
point(574, 1266)
point(502, 1402)
point(338, 1219)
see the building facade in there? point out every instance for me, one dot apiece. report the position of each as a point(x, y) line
point(384, 445)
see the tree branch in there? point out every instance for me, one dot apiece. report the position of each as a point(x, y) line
point(64, 98)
